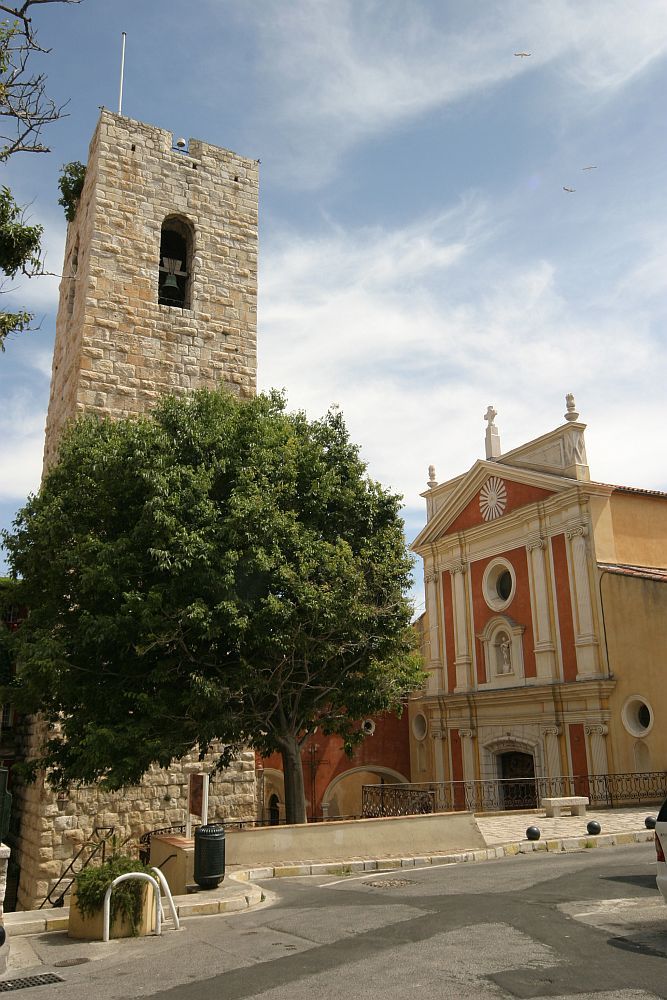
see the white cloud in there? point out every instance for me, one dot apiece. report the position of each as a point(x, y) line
point(414, 368)
point(21, 445)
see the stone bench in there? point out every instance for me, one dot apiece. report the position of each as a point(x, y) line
point(575, 803)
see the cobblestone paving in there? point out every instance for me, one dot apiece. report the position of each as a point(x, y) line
point(511, 826)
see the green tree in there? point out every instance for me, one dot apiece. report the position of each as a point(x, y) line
point(221, 570)
point(25, 110)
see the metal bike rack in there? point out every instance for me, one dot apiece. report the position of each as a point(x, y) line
point(156, 896)
point(167, 891)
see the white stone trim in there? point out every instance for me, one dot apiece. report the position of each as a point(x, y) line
point(490, 637)
point(492, 573)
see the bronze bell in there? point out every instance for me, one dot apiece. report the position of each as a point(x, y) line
point(170, 287)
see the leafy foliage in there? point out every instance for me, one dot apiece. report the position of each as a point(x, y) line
point(8, 601)
point(25, 110)
point(70, 183)
point(19, 252)
point(126, 899)
point(222, 570)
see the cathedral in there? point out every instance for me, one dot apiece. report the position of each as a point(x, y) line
point(545, 629)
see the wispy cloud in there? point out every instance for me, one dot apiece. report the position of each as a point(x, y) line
point(413, 365)
point(341, 73)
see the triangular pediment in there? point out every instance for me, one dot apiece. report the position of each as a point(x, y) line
point(489, 492)
point(560, 452)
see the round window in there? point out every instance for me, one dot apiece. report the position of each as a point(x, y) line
point(637, 716)
point(419, 726)
point(499, 584)
point(504, 585)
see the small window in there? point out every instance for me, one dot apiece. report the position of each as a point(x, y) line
point(175, 263)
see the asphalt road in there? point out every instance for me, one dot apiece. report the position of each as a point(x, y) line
point(580, 925)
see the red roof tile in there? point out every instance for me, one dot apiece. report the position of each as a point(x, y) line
point(646, 572)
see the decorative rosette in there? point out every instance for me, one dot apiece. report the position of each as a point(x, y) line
point(492, 498)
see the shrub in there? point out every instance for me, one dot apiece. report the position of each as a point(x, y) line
point(126, 899)
point(71, 185)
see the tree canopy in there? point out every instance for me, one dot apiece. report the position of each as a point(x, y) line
point(219, 570)
point(25, 110)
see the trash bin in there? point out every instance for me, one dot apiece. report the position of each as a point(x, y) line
point(209, 855)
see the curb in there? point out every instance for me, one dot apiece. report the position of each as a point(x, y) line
point(554, 846)
point(41, 921)
point(26, 922)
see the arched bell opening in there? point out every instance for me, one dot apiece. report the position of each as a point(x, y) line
point(175, 268)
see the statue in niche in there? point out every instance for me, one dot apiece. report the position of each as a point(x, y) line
point(503, 654)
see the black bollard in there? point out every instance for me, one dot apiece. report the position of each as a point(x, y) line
point(533, 833)
point(593, 827)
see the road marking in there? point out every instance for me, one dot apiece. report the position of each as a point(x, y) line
point(384, 871)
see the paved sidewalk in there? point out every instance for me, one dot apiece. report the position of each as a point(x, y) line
point(509, 827)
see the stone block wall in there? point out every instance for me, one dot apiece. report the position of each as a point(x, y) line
point(55, 826)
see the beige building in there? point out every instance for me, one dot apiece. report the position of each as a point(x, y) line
point(545, 630)
point(158, 296)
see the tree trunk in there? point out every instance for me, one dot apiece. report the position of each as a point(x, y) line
point(295, 798)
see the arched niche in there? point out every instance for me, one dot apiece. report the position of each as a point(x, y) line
point(502, 647)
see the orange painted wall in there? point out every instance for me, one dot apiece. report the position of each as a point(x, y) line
point(518, 495)
point(564, 602)
point(389, 746)
point(518, 608)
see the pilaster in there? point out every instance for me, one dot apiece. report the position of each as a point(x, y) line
point(545, 650)
point(585, 640)
point(550, 736)
point(463, 658)
point(597, 736)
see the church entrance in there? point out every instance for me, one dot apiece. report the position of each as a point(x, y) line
point(518, 786)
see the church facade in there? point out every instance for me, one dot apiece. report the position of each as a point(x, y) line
point(545, 629)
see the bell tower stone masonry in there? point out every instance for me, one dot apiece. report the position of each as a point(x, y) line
point(158, 295)
point(159, 287)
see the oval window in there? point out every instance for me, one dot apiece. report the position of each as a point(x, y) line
point(637, 716)
point(419, 726)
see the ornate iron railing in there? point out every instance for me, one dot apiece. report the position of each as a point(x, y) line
point(603, 790)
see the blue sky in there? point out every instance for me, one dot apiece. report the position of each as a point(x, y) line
point(419, 258)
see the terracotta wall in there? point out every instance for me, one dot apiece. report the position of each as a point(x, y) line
point(518, 608)
point(324, 758)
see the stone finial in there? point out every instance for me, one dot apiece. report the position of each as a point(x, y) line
point(492, 440)
point(432, 481)
point(571, 413)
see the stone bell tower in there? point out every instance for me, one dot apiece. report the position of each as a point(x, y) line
point(159, 287)
point(158, 295)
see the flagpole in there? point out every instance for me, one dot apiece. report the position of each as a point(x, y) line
point(122, 73)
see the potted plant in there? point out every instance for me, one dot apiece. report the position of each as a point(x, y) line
point(132, 903)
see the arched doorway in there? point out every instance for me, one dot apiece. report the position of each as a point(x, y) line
point(344, 793)
point(517, 771)
point(274, 810)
